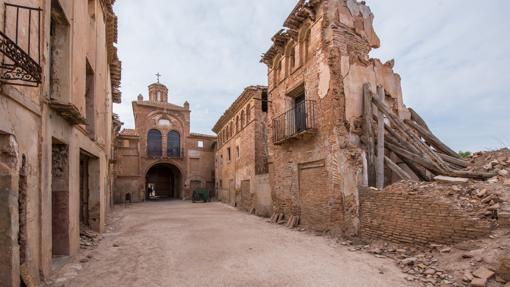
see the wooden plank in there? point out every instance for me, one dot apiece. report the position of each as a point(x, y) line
point(419, 171)
point(397, 169)
point(418, 119)
point(412, 139)
point(431, 139)
point(368, 134)
point(453, 160)
point(380, 141)
point(428, 164)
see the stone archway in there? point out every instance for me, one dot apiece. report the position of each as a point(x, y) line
point(165, 180)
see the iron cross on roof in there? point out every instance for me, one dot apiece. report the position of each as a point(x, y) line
point(158, 75)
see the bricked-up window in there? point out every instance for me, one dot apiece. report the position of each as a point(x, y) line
point(264, 102)
point(243, 119)
point(229, 154)
point(238, 127)
point(248, 113)
point(238, 152)
point(154, 143)
point(174, 144)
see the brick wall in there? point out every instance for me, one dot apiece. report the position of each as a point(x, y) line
point(405, 217)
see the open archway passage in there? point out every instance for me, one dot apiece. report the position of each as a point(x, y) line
point(163, 181)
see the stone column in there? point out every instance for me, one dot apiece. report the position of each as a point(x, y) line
point(9, 217)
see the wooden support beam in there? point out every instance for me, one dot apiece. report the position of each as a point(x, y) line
point(397, 169)
point(368, 136)
point(412, 139)
point(380, 141)
point(431, 139)
point(453, 160)
point(428, 164)
point(418, 119)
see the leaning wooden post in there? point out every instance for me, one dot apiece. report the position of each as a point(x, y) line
point(380, 141)
point(368, 134)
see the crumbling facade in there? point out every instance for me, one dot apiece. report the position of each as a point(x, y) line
point(57, 91)
point(318, 66)
point(242, 156)
point(161, 154)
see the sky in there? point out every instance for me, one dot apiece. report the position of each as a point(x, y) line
point(452, 56)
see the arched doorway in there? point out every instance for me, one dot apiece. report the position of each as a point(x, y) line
point(164, 180)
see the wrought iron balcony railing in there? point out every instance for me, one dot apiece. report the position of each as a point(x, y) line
point(297, 121)
point(172, 153)
point(21, 66)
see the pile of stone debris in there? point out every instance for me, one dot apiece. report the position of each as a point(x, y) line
point(477, 263)
point(88, 238)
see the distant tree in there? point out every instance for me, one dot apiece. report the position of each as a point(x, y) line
point(465, 154)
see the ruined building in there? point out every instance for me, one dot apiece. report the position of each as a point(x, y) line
point(337, 124)
point(242, 175)
point(59, 77)
point(317, 68)
point(161, 154)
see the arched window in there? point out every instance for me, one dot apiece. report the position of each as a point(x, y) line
point(243, 119)
point(174, 144)
point(238, 127)
point(290, 56)
point(304, 44)
point(248, 113)
point(154, 143)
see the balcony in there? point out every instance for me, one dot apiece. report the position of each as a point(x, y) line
point(296, 122)
point(173, 153)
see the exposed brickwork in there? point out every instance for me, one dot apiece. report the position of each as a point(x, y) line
point(242, 155)
point(190, 157)
point(416, 218)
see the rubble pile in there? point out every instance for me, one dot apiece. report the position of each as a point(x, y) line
point(88, 238)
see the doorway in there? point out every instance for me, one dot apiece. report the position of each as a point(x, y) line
point(163, 181)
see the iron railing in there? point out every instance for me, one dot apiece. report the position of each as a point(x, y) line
point(296, 121)
point(21, 64)
point(175, 153)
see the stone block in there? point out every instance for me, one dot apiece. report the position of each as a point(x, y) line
point(483, 273)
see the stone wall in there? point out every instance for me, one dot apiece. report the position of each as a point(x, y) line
point(404, 217)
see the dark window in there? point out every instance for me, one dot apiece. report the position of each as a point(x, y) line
point(154, 143)
point(174, 144)
point(264, 102)
point(229, 154)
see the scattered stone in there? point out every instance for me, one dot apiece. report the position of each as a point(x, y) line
point(429, 271)
point(503, 172)
point(482, 193)
point(446, 250)
point(483, 273)
point(493, 180)
point(506, 182)
point(467, 256)
point(449, 179)
point(494, 207)
point(468, 277)
point(478, 282)
point(409, 261)
point(84, 260)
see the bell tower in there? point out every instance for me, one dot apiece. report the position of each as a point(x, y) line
point(158, 92)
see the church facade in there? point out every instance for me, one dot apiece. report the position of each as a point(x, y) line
point(161, 158)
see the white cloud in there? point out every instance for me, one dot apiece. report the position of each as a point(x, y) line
point(450, 54)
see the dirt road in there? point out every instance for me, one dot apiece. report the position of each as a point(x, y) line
point(184, 244)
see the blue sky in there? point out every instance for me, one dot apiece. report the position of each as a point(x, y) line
point(452, 56)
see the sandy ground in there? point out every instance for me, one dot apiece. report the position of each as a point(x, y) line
point(184, 244)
